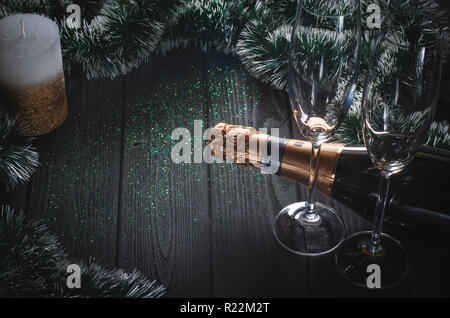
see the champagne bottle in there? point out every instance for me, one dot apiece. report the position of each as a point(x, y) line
point(418, 200)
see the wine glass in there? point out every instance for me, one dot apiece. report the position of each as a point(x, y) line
point(399, 101)
point(324, 60)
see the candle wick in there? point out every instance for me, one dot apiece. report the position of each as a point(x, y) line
point(22, 25)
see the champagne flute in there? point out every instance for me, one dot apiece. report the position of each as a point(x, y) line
point(323, 70)
point(400, 97)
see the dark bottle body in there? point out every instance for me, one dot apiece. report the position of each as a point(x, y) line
point(419, 197)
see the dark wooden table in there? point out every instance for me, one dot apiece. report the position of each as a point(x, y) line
point(109, 190)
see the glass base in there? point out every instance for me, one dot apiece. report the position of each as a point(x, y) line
point(353, 260)
point(309, 235)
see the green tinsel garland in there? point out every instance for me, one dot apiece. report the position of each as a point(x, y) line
point(33, 264)
point(116, 37)
point(18, 158)
point(207, 24)
point(126, 32)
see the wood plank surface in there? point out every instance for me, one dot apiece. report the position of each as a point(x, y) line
point(75, 191)
point(246, 260)
point(325, 278)
point(164, 212)
point(429, 264)
point(109, 190)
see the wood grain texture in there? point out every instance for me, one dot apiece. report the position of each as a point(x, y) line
point(164, 214)
point(109, 190)
point(246, 260)
point(75, 191)
point(325, 278)
point(429, 267)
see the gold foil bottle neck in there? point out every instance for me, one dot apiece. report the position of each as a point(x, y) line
point(295, 157)
point(296, 163)
point(230, 136)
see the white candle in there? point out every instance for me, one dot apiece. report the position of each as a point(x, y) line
point(30, 66)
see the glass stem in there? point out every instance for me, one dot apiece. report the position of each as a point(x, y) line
point(313, 175)
point(383, 190)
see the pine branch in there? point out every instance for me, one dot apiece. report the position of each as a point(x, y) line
point(350, 131)
point(207, 24)
point(265, 55)
point(127, 32)
point(29, 256)
point(117, 41)
point(33, 264)
point(417, 21)
point(18, 158)
point(4, 11)
point(439, 135)
point(101, 282)
point(89, 8)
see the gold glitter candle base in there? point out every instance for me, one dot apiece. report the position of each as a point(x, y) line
point(42, 108)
